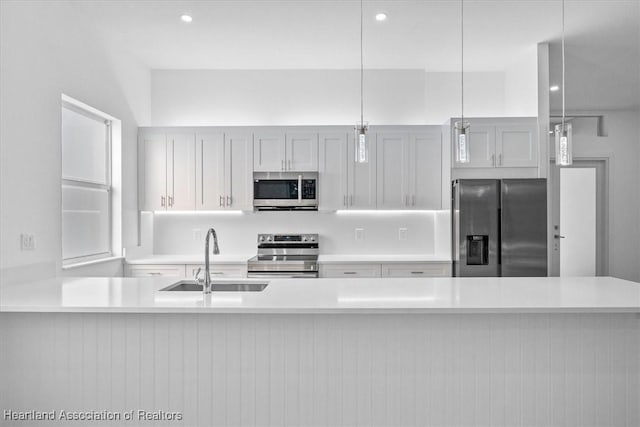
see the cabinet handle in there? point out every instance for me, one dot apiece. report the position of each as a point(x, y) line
point(413, 200)
point(282, 165)
point(154, 273)
point(417, 272)
point(493, 159)
point(170, 200)
point(499, 159)
point(289, 167)
point(344, 200)
point(221, 200)
point(348, 272)
point(162, 201)
point(228, 200)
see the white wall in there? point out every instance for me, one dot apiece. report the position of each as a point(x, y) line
point(39, 62)
point(174, 233)
point(332, 97)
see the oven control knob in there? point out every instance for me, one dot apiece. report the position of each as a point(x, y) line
point(262, 238)
point(268, 238)
point(304, 239)
point(313, 239)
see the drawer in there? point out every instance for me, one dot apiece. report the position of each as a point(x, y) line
point(349, 270)
point(218, 270)
point(431, 269)
point(155, 270)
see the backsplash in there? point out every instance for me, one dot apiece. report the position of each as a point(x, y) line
point(427, 232)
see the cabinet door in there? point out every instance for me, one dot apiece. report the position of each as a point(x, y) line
point(482, 148)
point(302, 152)
point(392, 156)
point(218, 271)
point(154, 191)
point(332, 176)
point(350, 270)
point(362, 177)
point(442, 269)
point(269, 152)
point(425, 170)
point(239, 178)
point(181, 171)
point(517, 145)
point(210, 171)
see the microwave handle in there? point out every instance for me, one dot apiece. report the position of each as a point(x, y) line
point(300, 188)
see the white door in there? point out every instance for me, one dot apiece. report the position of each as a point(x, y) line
point(482, 147)
point(517, 146)
point(392, 171)
point(425, 170)
point(361, 177)
point(579, 202)
point(239, 177)
point(155, 172)
point(332, 172)
point(269, 153)
point(302, 152)
point(210, 171)
point(181, 171)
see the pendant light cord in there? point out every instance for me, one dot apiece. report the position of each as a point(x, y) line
point(563, 113)
point(361, 72)
point(462, 61)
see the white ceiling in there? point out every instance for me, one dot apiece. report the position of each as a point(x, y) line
point(422, 34)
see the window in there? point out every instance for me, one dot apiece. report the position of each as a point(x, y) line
point(86, 185)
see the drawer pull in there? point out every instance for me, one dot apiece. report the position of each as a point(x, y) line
point(154, 273)
point(417, 272)
point(349, 272)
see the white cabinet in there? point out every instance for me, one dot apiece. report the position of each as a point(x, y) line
point(291, 152)
point(332, 171)
point(153, 270)
point(217, 270)
point(169, 171)
point(409, 170)
point(501, 145)
point(431, 269)
point(349, 270)
point(224, 171)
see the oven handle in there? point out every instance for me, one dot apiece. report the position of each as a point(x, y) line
point(299, 188)
point(283, 275)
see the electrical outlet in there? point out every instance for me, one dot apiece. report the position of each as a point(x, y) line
point(359, 233)
point(27, 242)
point(197, 234)
point(402, 234)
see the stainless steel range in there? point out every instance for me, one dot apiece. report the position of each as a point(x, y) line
point(285, 255)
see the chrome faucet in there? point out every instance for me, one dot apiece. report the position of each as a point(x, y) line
point(207, 277)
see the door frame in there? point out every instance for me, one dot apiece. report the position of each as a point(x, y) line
point(602, 167)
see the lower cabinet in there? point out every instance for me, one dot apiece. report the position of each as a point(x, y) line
point(155, 270)
point(217, 271)
point(427, 269)
point(185, 271)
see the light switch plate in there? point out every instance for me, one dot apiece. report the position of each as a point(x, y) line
point(27, 242)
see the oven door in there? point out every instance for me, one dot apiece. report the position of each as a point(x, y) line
point(278, 191)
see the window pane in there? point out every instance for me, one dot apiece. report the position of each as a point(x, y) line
point(84, 147)
point(85, 221)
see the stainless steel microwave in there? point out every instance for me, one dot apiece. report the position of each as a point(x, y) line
point(285, 191)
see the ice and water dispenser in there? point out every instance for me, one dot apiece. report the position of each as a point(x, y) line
point(477, 249)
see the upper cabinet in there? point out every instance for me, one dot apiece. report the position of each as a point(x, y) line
point(332, 171)
point(290, 152)
point(224, 171)
point(506, 147)
point(168, 178)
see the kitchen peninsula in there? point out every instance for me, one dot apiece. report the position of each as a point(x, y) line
point(392, 351)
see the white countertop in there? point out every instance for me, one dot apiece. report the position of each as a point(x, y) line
point(322, 258)
point(364, 295)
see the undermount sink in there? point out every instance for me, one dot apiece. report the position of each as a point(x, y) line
point(227, 286)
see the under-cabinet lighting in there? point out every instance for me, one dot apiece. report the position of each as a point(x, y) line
point(234, 212)
point(384, 212)
point(186, 18)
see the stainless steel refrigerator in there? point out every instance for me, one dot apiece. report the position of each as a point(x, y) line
point(499, 227)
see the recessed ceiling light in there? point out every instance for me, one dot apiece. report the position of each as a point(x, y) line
point(554, 88)
point(381, 16)
point(186, 18)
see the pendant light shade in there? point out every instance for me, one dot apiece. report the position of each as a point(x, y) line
point(563, 131)
point(461, 129)
point(362, 127)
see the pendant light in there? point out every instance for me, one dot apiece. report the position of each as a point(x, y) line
point(461, 129)
point(563, 131)
point(361, 128)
